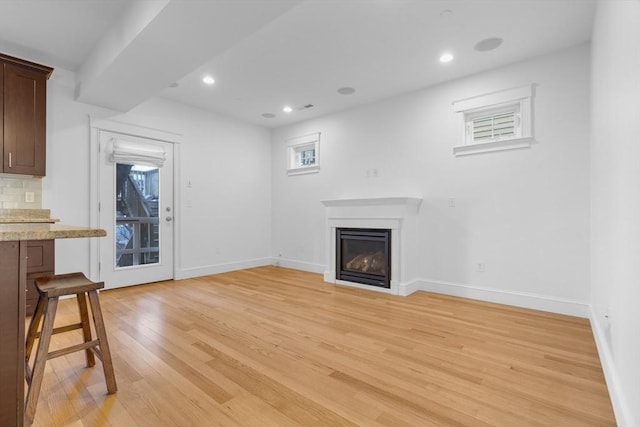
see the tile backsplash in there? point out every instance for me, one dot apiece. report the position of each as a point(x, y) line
point(16, 189)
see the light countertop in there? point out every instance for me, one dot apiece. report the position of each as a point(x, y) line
point(46, 231)
point(26, 215)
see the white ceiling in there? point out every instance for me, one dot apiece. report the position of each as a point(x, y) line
point(268, 53)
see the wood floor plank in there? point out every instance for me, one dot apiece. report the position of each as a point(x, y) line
point(276, 347)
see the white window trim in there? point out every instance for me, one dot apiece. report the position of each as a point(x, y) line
point(296, 144)
point(518, 99)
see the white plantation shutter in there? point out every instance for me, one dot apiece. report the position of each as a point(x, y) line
point(491, 128)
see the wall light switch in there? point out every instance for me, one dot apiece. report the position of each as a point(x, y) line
point(29, 197)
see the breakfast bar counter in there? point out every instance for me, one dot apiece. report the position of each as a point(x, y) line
point(45, 231)
point(14, 235)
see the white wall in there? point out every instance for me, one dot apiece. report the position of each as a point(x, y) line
point(524, 213)
point(615, 201)
point(227, 162)
point(225, 215)
point(65, 189)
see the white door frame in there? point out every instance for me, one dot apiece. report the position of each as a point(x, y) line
point(97, 125)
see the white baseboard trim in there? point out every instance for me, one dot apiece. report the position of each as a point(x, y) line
point(620, 408)
point(187, 273)
point(518, 299)
point(298, 265)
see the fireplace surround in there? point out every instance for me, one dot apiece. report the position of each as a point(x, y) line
point(370, 213)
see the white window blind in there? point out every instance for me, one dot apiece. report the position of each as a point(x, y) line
point(494, 127)
point(137, 153)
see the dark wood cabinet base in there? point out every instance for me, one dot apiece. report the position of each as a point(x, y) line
point(13, 274)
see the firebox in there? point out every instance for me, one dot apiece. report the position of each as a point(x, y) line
point(363, 255)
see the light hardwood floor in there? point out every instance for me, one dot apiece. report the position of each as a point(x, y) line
point(277, 347)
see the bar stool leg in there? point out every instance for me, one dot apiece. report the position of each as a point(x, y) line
point(86, 328)
point(50, 308)
point(107, 365)
point(34, 324)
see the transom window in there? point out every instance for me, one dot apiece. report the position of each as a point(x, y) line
point(303, 154)
point(495, 121)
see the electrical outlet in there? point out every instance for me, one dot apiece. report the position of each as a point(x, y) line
point(452, 202)
point(481, 267)
point(29, 197)
point(607, 318)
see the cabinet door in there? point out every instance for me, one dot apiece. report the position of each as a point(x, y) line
point(40, 263)
point(40, 256)
point(25, 104)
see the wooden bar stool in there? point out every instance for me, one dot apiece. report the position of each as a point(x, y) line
point(49, 290)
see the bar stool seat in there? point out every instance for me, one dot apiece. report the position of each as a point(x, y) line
point(49, 290)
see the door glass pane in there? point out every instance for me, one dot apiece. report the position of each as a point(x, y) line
point(137, 233)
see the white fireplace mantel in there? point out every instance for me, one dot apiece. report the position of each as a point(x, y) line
point(378, 212)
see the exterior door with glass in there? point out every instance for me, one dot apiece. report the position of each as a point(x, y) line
point(136, 209)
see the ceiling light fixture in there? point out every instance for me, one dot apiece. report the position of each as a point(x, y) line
point(446, 57)
point(347, 90)
point(208, 80)
point(287, 109)
point(268, 115)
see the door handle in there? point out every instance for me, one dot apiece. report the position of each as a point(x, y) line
point(169, 218)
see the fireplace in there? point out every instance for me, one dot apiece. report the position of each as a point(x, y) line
point(363, 255)
point(390, 214)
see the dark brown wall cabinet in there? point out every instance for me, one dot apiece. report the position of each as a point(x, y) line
point(23, 108)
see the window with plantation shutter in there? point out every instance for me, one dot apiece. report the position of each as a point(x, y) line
point(494, 127)
point(496, 121)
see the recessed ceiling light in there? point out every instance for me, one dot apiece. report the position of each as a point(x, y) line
point(488, 44)
point(287, 109)
point(268, 115)
point(446, 57)
point(446, 13)
point(347, 90)
point(208, 80)
point(174, 85)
